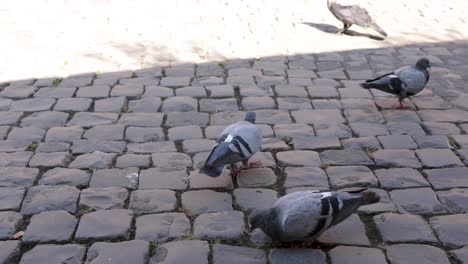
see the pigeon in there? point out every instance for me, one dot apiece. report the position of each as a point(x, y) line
point(303, 216)
point(353, 15)
point(404, 82)
point(237, 143)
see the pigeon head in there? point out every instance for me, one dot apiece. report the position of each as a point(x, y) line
point(261, 218)
point(250, 117)
point(423, 63)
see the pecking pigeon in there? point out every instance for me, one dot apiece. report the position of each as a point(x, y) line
point(404, 82)
point(237, 143)
point(305, 215)
point(352, 15)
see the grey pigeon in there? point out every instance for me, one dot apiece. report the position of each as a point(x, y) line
point(237, 143)
point(404, 82)
point(353, 15)
point(305, 215)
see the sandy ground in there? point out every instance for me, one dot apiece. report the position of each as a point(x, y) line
point(45, 38)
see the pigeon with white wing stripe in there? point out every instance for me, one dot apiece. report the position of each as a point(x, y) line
point(404, 82)
point(303, 216)
point(237, 143)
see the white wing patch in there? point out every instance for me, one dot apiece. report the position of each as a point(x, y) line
point(229, 138)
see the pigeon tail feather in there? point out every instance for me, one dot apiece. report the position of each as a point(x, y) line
point(379, 29)
point(212, 171)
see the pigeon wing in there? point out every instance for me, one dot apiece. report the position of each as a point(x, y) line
point(414, 78)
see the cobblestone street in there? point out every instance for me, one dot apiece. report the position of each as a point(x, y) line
point(102, 167)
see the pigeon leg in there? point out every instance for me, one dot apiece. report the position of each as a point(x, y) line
point(296, 244)
point(255, 164)
point(235, 170)
point(345, 28)
point(400, 100)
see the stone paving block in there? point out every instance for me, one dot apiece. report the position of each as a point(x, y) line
point(4, 131)
point(274, 144)
point(50, 226)
point(133, 160)
point(298, 158)
point(349, 232)
point(456, 200)
point(53, 92)
point(240, 80)
point(128, 90)
point(63, 176)
point(434, 158)
point(16, 159)
point(192, 146)
point(45, 119)
point(354, 93)
point(5, 104)
point(105, 224)
point(103, 198)
point(395, 228)
point(210, 80)
point(462, 140)
point(31, 134)
point(100, 91)
point(180, 251)
point(54, 159)
point(158, 91)
point(396, 158)
point(18, 176)
point(91, 146)
point(399, 178)
point(270, 80)
point(265, 158)
point(9, 251)
point(145, 105)
point(253, 90)
point(134, 251)
point(163, 178)
point(413, 253)
point(161, 228)
point(11, 198)
point(95, 160)
point(111, 81)
point(463, 155)
point(434, 142)
point(227, 118)
point(225, 254)
point(218, 105)
point(87, 119)
point(297, 255)
point(361, 143)
point(351, 176)
point(326, 104)
point(316, 143)
point(50, 198)
point(397, 142)
point(461, 255)
point(153, 201)
point(300, 81)
point(32, 105)
point(14, 145)
point(430, 103)
point(141, 119)
point(337, 130)
point(440, 128)
point(345, 157)
point(363, 129)
point(318, 116)
point(290, 91)
point(201, 181)
point(293, 103)
point(76, 81)
point(48, 253)
point(192, 91)
point(106, 132)
point(250, 199)
point(256, 177)
point(450, 115)
point(450, 229)
point(220, 90)
point(356, 255)
point(144, 134)
point(256, 103)
point(175, 81)
point(64, 134)
point(228, 225)
point(10, 118)
point(18, 92)
point(113, 104)
point(73, 104)
point(151, 147)
point(322, 92)
point(206, 201)
point(306, 176)
point(119, 75)
point(175, 119)
point(292, 130)
point(126, 178)
point(10, 222)
point(417, 201)
point(244, 72)
point(405, 128)
point(363, 115)
point(273, 117)
point(447, 178)
point(185, 132)
point(144, 80)
point(179, 104)
point(384, 205)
